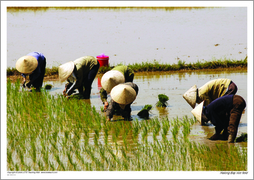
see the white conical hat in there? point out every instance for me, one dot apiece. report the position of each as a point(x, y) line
point(191, 96)
point(26, 64)
point(197, 112)
point(110, 79)
point(123, 94)
point(65, 70)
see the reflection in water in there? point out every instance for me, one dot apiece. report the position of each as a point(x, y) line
point(120, 134)
point(163, 112)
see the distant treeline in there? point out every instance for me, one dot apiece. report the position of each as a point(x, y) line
point(156, 66)
point(44, 8)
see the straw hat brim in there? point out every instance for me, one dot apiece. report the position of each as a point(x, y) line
point(110, 79)
point(197, 112)
point(123, 94)
point(26, 64)
point(191, 96)
point(65, 70)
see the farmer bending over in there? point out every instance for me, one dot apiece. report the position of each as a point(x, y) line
point(122, 97)
point(210, 91)
point(119, 74)
point(79, 73)
point(33, 64)
point(224, 113)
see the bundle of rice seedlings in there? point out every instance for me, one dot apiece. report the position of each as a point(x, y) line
point(162, 100)
point(48, 86)
point(144, 113)
point(242, 138)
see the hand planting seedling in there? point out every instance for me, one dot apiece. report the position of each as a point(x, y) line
point(162, 100)
point(144, 113)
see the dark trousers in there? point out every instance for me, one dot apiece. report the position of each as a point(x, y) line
point(37, 83)
point(232, 89)
point(87, 83)
point(235, 114)
point(114, 109)
point(230, 126)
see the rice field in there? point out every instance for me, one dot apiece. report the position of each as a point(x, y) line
point(52, 133)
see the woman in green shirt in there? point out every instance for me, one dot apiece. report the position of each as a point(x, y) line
point(108, 81)
point(210, 91)
point(79, 74)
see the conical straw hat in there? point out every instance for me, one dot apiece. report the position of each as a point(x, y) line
point(197, 112)
point(191, 96)
point(26, 64)
point(111, 78)
point(65, 70)
point(123, 94)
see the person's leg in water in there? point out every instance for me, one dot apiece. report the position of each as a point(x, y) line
point(89, 80)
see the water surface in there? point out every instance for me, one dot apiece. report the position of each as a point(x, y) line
point(174, 85)
point(128, 35)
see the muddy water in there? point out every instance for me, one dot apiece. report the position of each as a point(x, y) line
point(173, 85)
point(128, 36)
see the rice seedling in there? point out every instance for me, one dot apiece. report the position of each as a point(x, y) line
point(144, 112)
point(48, 86)
point(162, 100)
point(175, 129)
point(157, 128)
point(242, 138)
point(144, 133)
point(165, 128)
point(54, 133)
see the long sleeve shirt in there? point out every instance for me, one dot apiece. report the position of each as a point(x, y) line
point(212, 90)
point(114, 106)
point(218, 110)
point(128, 75)
point(83, 66)
point(41, 66)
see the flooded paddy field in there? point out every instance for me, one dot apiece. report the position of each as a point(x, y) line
point(58, 134)
point(174, 85)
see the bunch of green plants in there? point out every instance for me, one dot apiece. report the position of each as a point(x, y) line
point(162, 100)
point(242, 138)
point(51, 133)
point(144, 112)
point(48, 86)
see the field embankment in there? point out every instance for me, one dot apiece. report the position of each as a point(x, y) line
point(52, 73)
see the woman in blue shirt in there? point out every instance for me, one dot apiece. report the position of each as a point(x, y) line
point(34, 65)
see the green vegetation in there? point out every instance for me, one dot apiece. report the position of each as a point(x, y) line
point(144, 113)
point(156, 66)
point(17, 9)
point(162, 100)
point(48, 86)
point(242, 138)
point(181, 65)
point(52, 133)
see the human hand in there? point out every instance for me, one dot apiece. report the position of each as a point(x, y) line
point(24, 84)
point(28, 84)
point(64, 92)
point(105, 105)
